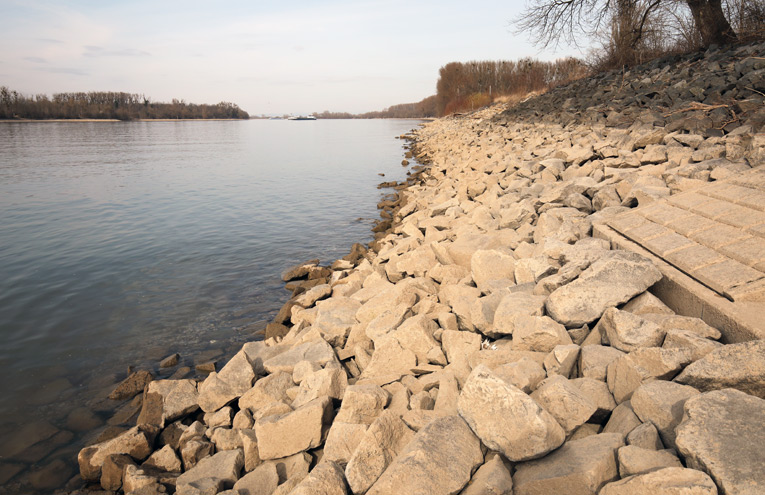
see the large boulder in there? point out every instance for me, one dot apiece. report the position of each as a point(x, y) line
point(167, 400)
point(527, 430)
point(578, 467)
point(612, 280)
point(136, 442)
point(440, 459)
point(667, 481)
point(302, 429)
point(722, 434)
point(740, 366)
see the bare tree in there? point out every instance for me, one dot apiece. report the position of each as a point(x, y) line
point(553, 21)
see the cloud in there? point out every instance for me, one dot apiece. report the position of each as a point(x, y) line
point(99, 51)
point(36, 60)
point(63, 70)
point(50, 41)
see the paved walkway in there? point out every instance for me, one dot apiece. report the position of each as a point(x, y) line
point(714, 234)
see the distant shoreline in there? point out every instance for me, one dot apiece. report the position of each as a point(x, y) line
point(116, 120)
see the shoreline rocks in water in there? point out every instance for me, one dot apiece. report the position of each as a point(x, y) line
point(485, 342)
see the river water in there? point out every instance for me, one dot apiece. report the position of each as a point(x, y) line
point(121, 243)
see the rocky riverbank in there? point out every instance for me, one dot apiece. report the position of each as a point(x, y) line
point(486, 342)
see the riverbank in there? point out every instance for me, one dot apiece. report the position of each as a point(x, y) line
point(486, 342)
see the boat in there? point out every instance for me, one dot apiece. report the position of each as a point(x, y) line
point(303, 117)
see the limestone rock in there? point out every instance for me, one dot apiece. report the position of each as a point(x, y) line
point(330, 382)
point(168, 400)
point(511, 306)
point(457, 345)
point(645, 436)
point(132, 385)
point(492, 478)
point(667, 481)
point(622, 420)
point(565, 402)
point(136, 442)
point(661, 403)
point(687, 339)
point(721, 436)
point(594, 361)
point(267, 390)
point(628, 372)
point(528, 431)
point(598, 394)
point(224, 466)
point(342, 440)
point(164, 459)
point(538, 333)
point(325, 479)
point(439, 460)
point(635, 460)
point(390, 358)
point(608, 282)
point(578, 467)
point(290, 433)
point(487, 266)
point(362, 404)
point(525, 374)
point(261, 481)
point(113, 469)
point(376, 449)
point(740, 366)
point(626, 331)
point(316, 351)
point(561, 360)
point(233, 380)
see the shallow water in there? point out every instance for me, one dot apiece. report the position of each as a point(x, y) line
point(121, 243)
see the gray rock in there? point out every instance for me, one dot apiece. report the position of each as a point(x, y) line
point(579, 466)
point(610, 281)
point(528, 431)
point(740, 366)
point(439, 460)
point(720, 435)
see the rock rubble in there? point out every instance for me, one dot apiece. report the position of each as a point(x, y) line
point(486, 343)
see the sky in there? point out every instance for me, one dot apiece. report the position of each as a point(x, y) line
point(270, 58)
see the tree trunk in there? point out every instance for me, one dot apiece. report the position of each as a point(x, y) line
point(711, 22)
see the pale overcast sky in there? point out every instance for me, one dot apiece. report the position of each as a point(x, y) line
point(275, 57)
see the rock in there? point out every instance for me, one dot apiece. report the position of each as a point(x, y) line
point(565, 402)
point(135, 479)
point(168, 400)
point(721, 436)
point(335, 317)
point(740, 366)
point(250, 448)
point(132, 385)
point(647, 303)
point(390, 359)
point(487, 266)
point(579, 466)
point(293, 466)
point(220, 418)
point(416, 335)
point(667, 481)
point(528, 432)
point(170, 361)
point(525, 374)
point(439, 460)
point(330, 382)
point(661, 403)
point(261, 481)
point(623, 420)
point(457, 345)
point(594, 361)
point(113, 470)
point(298, 271)
point(226, 439)
point(634, 460)
point(302, 429)
point(317, 351)
point(258, 352)
point(314, 294)
point(325, 479)
point(224, 467)
point(460, 298)
point(342, 440)
point(377, 448)
point(267, 390)
point(362, 404)
point(562, 359)
point(598, 394)
point(628, 372)
point(538, 333)
point(164, 459)
point(645, 436)
point(626, 331)
point(511, 306)
point(609, 281)
point(136, 442)
point(492, 478)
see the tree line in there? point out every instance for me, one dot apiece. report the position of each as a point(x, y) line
point(107, 105)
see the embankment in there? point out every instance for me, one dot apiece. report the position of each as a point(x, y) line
point(487, 342)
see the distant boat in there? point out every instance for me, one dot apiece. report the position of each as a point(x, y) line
point(303, 117)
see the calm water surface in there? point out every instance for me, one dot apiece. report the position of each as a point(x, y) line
point(121, 243)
